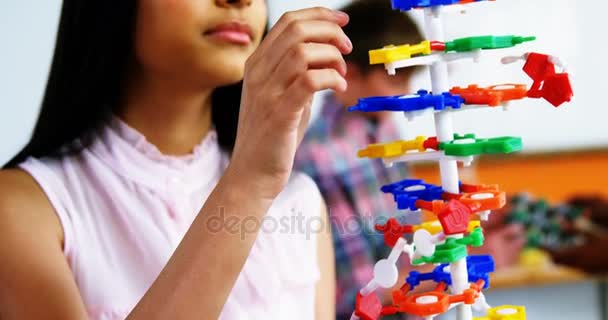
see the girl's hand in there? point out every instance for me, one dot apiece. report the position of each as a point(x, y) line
point(301, 55)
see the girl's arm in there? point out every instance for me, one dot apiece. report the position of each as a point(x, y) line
point(326, 288)
point(302, 54)
point(35, 279)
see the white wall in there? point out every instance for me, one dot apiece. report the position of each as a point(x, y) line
point(564, 27)
point(27, 35)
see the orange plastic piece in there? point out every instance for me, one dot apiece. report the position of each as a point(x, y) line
point(480, 197)
point(472, 188)
point(492, 96)
point(487, 200)
point(434, 302)
point(438, 205)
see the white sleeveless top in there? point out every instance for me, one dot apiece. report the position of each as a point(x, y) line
point(125, 207)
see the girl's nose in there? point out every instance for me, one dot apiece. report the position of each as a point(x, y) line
point(233, 3)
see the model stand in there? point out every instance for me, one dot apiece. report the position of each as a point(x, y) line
point(458, 207)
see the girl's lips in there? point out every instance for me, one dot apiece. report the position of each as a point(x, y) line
point(233, 32)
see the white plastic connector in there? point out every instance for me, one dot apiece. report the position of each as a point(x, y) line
point(386, 273)
point(426, 243)
point(427, 156)
point(553, 59)
point(431, 59)
point(484, 215)
point(513, 59)
point(481, 305)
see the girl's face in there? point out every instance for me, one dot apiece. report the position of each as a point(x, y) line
point(201, 42)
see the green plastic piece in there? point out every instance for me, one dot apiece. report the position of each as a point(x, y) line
point(475, 239)
point(574, 213)
point(535, 237)
point(485, 43)
point(448, 252)
point(518, 217)
point(453, 249)
point(552, 228)
point(459, 147)
point(540, 206)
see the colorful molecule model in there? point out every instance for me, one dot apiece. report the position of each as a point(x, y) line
point(458, 208)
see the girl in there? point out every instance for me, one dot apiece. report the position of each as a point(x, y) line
point(119, 206)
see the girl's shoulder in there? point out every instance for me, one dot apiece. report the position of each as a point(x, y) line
point(24, 203)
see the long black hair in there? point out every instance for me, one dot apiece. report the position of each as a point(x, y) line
point(93, 52)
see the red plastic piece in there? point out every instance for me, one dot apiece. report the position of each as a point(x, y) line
point(368, 307)
point(437, 46)
point(492, 96)
point(431, 143)
point(554, 87)
point(455, 217)
point(538, 67)
point(432, 206)
point(558, 89)
point(393, 230)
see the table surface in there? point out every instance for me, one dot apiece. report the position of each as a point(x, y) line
point(520, 276)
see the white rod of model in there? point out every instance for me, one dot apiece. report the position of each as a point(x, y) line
point(445, 132)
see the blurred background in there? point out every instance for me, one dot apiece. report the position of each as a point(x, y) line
point(565, 153)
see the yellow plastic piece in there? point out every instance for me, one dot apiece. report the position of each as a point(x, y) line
point(434, 227)
point(416, 144)
point(393, 53)
point(534, 258)
point(505, 313)
point(385, 150)
point(392, 149)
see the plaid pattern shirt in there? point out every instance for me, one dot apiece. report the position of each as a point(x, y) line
point(351, 189)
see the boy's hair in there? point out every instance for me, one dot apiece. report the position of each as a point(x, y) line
point(373, 25)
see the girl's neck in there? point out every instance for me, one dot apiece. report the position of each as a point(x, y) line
point(171, 116)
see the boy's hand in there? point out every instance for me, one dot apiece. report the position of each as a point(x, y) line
point(302, 54)
point(590, 257)
point(505, 243)
point(597, 206)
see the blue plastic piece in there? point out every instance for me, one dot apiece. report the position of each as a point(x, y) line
point(479, 268)
point(406, 199)
point(438, 275)
point(406, 5)
point(416, 102)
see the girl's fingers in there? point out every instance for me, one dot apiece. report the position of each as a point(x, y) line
point(299, 93)
point(317, 13)
point(310, 31)
point(306, 56)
